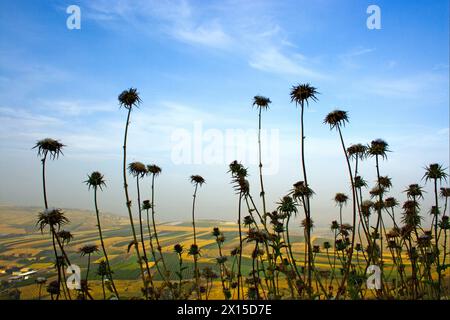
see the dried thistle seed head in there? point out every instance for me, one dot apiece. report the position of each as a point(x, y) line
point(302, 93)
point(102, 269)
point(53, 287)
point(52, 217)
point(221, 259)
point(414, 191)
point(445, 192)
point(435, 171)
point(385, 182)
point(334, 225)
point(197, 180)
point(178, 248)
point(357, 151)
point(129, 98)
point(377, 191)
point(154, 169)
point(137, 169)
point(301, 190)
point(307, 223)
point(146, 205)
point(193, 250)
point(216, 232)
point(340, 198)
point(336, 118)
point(326, 245)
point(65, 236)
point(378, 147)
point(261, 102)
point(248, 221)
point(316, 249)
point(49, 146)
point(360, 182)
point(88, 249)
point(390, 202)
point(95, 180)
point(287, 206)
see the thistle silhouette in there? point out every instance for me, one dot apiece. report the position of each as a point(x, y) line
point(96, 181)
point(197, 181)
point(130, 99)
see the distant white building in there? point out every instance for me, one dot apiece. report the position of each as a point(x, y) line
point(19, 276)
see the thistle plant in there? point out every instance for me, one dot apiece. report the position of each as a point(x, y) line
point(197, 181)
point(155, 171)
point(436, 172)
point(54, 219)
point(87, 250)
point(261, 103)
point(301, 94)
point(96, 181)
point(138, 170)
point(130, 99)
point(337, 119)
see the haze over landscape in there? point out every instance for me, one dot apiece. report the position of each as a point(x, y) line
point(202, 63)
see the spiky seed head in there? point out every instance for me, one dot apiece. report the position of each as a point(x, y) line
point(340, 198)
point(65, 236)
point(261, 102)
point(137, 169)
point(307, 223)
point(237, 169)
point(88, 249)
point(385, 182)
point(53, 287)
point(336, 118)
point(129, 98)
point(193, 250)
point(414, 191)
point(334, 225)
point(146, 205)
point(445, 192)
point(390, 202)
point(178, 248)
point(95, 180)
point(49, 146)
point(378, 147)
point(216, 232)
point(52, 217)
point(435, 171)
point(154, 169)
point(360, 182)
point(302, 93)
point(197, 180)
point(287, 205)
point(357, 151)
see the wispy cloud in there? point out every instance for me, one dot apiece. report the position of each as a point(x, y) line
point(262, 42)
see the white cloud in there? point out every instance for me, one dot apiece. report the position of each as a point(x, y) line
point(272, 60)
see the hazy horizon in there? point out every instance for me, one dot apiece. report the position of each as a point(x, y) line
point(197, 67)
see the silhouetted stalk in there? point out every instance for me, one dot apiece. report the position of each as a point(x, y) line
point(144, 251)
point(158, 245)
point(103, 244)
point(436, 239)
point(291, 254)
point(354, 214)
point(240, 284)
point(128, 204)
point(307, 207)
point(263, 194)
point(196, 271)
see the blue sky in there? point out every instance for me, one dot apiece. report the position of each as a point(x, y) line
point(204, 61)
